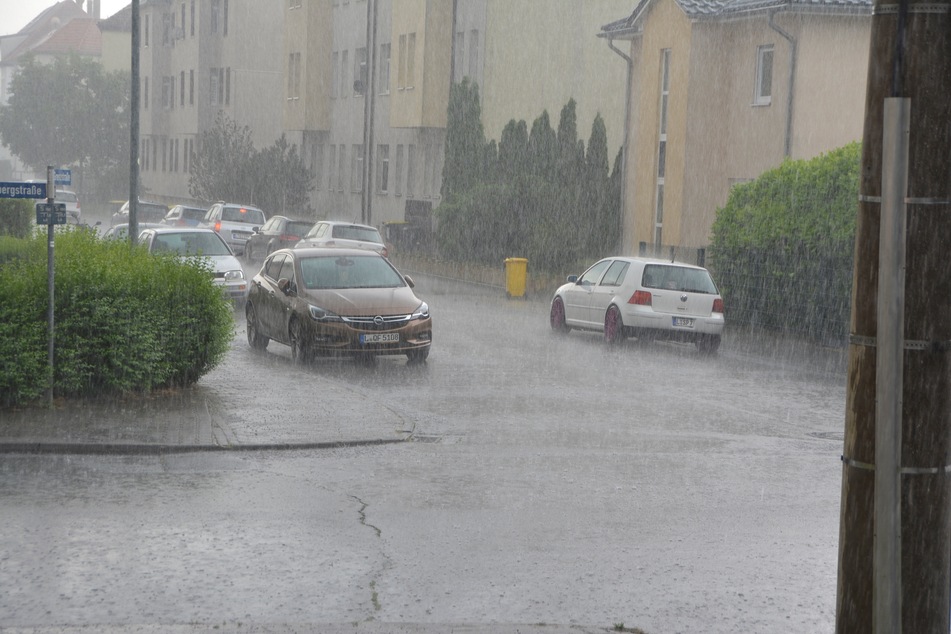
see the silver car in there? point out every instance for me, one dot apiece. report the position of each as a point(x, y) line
point(333, 233)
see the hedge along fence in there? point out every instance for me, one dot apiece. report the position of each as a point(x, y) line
point(126, 321)
point(783, 247)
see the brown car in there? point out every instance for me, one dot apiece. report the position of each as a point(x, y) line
point(349, 302)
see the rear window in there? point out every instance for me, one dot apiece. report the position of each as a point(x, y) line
point(246, 215)
point(192, 213)
point(352, 232)
point(66, 197)
point(298, 228)
point(678, 278)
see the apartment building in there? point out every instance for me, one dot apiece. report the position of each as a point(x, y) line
point(723, 90)
point(199, 58)
point(342, 95)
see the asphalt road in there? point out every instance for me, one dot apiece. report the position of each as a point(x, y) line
point(550, 484)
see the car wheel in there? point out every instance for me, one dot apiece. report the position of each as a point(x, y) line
point(256, 340)
point(557, 316)
point(300, 351)
point(708, 344)
point(419, 355)
point(613, 326)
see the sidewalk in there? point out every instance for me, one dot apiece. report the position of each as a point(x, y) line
point(231, 408)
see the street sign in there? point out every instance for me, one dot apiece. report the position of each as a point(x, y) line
point(22, 190)
point(51, 213)
point(62, 177)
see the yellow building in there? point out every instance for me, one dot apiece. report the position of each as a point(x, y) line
point(723, 90)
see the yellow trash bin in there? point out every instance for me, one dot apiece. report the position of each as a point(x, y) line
point(516, 270)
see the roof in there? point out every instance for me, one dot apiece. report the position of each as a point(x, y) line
point(39, 28)
point(697, 10)
point(120, 21)
point(80, 35)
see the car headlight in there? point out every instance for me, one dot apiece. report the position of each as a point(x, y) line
point(421, 312)
point(237, 274)
point(320, 314)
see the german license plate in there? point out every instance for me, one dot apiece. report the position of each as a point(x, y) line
point(379, 337)
point(683, 322)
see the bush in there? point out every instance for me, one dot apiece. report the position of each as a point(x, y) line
point(17, 218)
point(783, 245)
point(124, 320)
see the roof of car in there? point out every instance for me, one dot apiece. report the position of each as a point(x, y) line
point(328, 252)
point(629, 258)
point(168, 229)
point(346, 222)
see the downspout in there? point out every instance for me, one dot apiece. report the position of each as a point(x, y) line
point(793, 47)
point(627, 125)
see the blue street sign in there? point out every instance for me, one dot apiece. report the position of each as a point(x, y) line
point(62, 177)
point(51, 213)
point(22, 190)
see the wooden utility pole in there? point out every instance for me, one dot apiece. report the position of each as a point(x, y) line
point(898, 578)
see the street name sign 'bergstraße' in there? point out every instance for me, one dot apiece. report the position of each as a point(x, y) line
point(22, 190)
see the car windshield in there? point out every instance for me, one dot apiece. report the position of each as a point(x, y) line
point(204, 243)
point(192, 213)
point(678, 278)
point(353, 232)
point(243, 214)
point(355, 271)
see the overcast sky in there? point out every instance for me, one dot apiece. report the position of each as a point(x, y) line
point(15, 14)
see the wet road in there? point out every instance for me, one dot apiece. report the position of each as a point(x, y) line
point(549, 481)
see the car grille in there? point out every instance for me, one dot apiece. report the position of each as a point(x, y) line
point(376, 322)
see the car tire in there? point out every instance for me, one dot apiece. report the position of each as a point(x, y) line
point(419, 355)
point(708, 344)
point(300, 351)
point(613, 326)
point(256, 340)
point(557, 317)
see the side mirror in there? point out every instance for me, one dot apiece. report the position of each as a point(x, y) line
point(573, 279)
point(286, 286)
point(409, 281)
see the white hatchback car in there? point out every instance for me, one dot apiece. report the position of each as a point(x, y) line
point(645, 298)
point(331, 233)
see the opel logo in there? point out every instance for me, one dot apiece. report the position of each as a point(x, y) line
point(378, 320)
point(683, 297)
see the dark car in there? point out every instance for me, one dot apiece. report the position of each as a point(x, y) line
point(280, 232)
point(146, 211)
point(184, 216)
point(349, 302)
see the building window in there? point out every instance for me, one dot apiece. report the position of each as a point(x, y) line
point(459, 47)
point(384, 69)
point(336, 75)
point(171, 92)
point(215, 88)
point(166, 29)
point(427, 170)
point(228, 84)
point(344, 77)
point(145, 31)
point(410, 170)
point(407, 61)
point(185, 155)
point(193, 19)
point(317, 164)
point(191, 87)
point(341, 165)
point(225, 21)
point(154, 153)
point(144, 162)
point(181, 90)
point(473, 53)
point(764, 76)
point(215, 15)
point(293, 76)
point(164, 154)
point(145, 93)
point(331, 167)
point(360, 71)
point(183, 20)
point(401, 69)
point(356, 169)
point(398, 171)
point(382, 169)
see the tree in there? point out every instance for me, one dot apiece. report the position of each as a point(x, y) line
point(282, 183)
point(70, 113)
point(465, 140)
point(222, 168)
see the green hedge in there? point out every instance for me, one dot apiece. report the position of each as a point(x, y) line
point(17, 218)
point(124, 320)
point(783, 245)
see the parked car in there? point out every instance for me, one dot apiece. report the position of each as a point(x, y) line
point(349, 302)
point(330, 233)
point(279, 232)
point(235, 223)
point(184, 216)
point(147, 211)
point(71, 199)
point(121, 232)
point(645, 298)
point(189, 242)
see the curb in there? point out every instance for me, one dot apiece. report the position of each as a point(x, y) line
point(61, 448)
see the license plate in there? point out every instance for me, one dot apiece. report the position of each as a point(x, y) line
point(684, 322)
point(380, 337)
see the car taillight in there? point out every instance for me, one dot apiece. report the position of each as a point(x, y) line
point(640, 298)
point(718, 305)
point(218, 226)
point(384, 252)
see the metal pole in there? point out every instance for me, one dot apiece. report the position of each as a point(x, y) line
point(889, 367)
point(134, 130)
point(50, 276)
